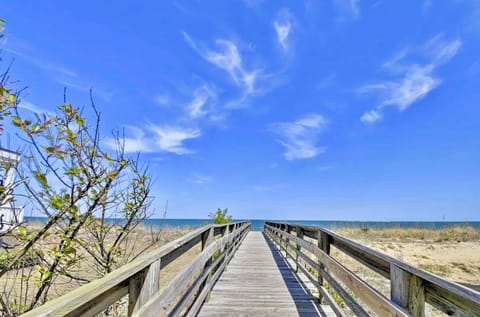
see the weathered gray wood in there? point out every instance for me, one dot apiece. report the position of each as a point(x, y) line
point(189, 298)
point(299, 231)
point(375, 300)
point(207, 238)
point(356, 308)
point(407, 291)
point(323, 242)
point(451, 298)
point(259, 282)
point(162, 303)
point(143, 286)
point(206, 290)
point(99, 294)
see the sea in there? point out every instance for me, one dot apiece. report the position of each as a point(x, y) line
point(257, 224)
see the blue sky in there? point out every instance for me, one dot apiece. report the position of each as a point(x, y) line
point(334, 110)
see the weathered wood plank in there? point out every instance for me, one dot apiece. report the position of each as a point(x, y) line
point(376, 301)
point(99, 294)
point(407, 291)
point(206, 290)
point(143, 286)
point(356, 308)
point(259, 282)
point(450, 297)
point(162, 303)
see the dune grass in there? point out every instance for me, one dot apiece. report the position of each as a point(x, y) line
point(461, 233)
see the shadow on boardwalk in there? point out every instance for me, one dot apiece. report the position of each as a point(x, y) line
point(259, 282)
point(298, 290)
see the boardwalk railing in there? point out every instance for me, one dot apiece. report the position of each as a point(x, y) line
point(410, 287)
point(139, 279)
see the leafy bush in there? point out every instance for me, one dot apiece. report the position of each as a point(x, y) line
point(221, 217)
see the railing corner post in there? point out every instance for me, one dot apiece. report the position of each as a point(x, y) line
point(323, 242)
point(142, 286)
point(407, 291)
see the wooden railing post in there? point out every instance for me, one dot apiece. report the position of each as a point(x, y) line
point(408, 291)
point(207, 238)
point(142, 286)
point(323, 242)
point(287, 230)
point(299, 235)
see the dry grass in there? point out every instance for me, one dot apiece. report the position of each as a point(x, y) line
point(143, 238)
point(455, 234)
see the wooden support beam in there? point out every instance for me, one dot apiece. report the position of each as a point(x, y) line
point(408, 291)
point(143, 286)
point(299, 235)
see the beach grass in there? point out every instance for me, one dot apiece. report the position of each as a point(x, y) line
point(460, 233)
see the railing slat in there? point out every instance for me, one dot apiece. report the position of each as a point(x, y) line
point(410, 285)
point(376, 301)
point(139, 277)
point(163, 302)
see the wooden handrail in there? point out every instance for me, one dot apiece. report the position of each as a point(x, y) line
point(140, 278)
point(410, 287)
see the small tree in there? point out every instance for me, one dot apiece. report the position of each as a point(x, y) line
point(221, 216)
point(93, 199)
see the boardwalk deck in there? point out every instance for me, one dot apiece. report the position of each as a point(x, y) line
point(260, 282)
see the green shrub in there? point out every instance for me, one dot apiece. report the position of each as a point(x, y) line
point(221, 217)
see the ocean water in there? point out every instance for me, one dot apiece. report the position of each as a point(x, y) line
point(257, 224)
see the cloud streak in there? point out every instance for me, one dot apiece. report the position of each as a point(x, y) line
point(197, 108)
point(157, 138)
point(199, 179)
point(300, 137)
point(32, 107)
point(283, 28)
point(348, 7)
point(412, 80)
point(226, 56)
point(64, 76)
point(45, 65)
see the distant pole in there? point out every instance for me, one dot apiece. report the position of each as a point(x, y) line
point(165, 212)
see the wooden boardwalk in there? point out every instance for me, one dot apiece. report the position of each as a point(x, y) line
point(243, 273)
point(260, 282)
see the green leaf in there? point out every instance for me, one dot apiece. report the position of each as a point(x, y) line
point(56, 202)
point(17, 121)
point(46, 276)
point(80, 120)
point(73, 171)
point(41, 178)
point(112, 175)
point(22, 231)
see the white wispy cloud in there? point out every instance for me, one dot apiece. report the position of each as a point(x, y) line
point(171, 139)
point(162, 100)
point(227, 57)
point(80, 85)
point(197, 108)
point(349, 7)
point(301, 136)
point(413, 80)
point(371, 116)
point(64, 75)
point(32, 107)
point(283, 28)
point(200, 179)
point(157, 138)
point(44, 64)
